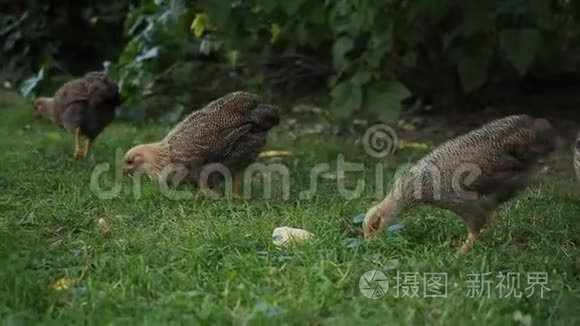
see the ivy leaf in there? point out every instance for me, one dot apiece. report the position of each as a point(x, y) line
point(472, 75)
point(362, 77)
point(346, 98)
point(30, 84)
point(205, 47)
point(341, 47)
point(384, 99)
point(200, 24)
point(472, 66)
point(520, 46)
point(149, 54)
point(274, 32)
point(233, 57)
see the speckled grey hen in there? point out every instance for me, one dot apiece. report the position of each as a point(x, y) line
point(84, 106)
point(470, 175)
point(229, 132)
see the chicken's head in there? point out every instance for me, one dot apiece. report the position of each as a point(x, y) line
point(148, 158)
point(43, 106)
point(373, 223)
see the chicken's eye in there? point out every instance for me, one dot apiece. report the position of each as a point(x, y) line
point(130, 162)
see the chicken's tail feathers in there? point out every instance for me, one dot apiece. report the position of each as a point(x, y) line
point(542, 125)
point(265, 117)
point(102, 91)
point(544, 130)
point(545, 136)
point(239, 101)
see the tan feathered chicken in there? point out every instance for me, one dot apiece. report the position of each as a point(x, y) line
point(470, 175)
point(84, 106)
point(230, 131)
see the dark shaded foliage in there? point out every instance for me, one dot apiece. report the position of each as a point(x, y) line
point(368, 55)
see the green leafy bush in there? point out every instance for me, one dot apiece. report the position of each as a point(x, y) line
point(68, 36)
point(369, 54)
point(380, 49)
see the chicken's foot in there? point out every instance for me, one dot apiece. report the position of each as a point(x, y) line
point(86, 148)
point(236, 185)
point(78, 154)
point(472, 236)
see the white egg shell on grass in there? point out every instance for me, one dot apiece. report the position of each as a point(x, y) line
point(285, 235)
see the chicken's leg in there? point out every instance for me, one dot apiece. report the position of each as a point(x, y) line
point(493, 220)
point(236, 185)
point(471, 238)
point(475, 218)
point(86, 148)
point(207, 192)
point(77, 153)
point(205, 188)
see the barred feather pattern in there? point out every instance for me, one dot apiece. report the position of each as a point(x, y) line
point(491, 163)
point(231, 130)
point(471, 174)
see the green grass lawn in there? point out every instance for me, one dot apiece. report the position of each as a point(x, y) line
point(202, 261)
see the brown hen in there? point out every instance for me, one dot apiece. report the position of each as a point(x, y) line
point(230, 132)
point(84, 106)
point(470, 175)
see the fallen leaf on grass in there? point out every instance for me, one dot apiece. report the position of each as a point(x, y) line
point(270, 154)
point(194, 293)
point(268, 310)
point(352, 243)
point(284, 236)
point(359, 219)
point(104, 225)
point(413, 145)
point(406, 125)
point(62, 283)
point(395, 227)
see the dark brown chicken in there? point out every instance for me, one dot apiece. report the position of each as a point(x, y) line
point(84, 106)
point(470, 175)
point(230, 131)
